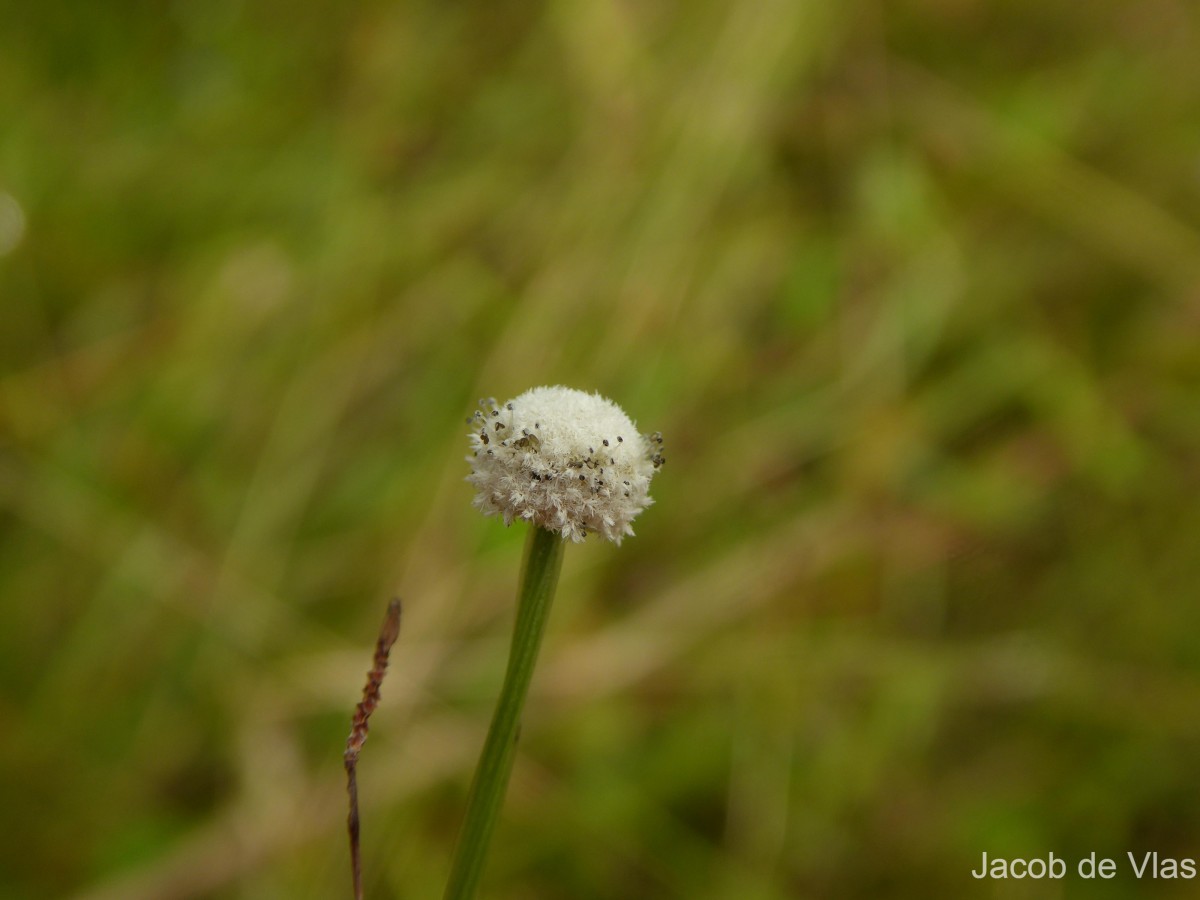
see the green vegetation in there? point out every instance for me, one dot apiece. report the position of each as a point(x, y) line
point(911, 289)
point(540, 569)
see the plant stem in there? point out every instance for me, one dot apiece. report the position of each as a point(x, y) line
point(539, 577)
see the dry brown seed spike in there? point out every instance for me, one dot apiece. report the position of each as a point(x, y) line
point(358, 730)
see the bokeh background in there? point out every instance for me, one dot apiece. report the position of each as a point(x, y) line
point(912, 289)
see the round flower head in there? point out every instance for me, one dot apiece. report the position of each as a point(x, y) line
point(563, 459)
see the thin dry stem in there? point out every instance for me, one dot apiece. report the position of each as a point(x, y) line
point(358, 731)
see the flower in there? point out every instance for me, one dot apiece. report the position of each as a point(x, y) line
point(566, 460)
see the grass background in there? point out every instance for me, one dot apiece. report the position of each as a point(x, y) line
point(912, 289)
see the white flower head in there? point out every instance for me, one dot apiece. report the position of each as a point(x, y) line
point(566, 460)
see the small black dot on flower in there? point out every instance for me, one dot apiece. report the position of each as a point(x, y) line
point(606, 442)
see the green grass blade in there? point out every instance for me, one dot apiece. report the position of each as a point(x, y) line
point(539, 577)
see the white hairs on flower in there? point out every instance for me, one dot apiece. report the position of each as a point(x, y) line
point(568, 461)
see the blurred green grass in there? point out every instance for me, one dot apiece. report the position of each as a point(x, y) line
point(911, 289)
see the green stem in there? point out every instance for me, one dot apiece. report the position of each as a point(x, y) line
point(539, 577)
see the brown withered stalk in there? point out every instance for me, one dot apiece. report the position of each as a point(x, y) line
point(358, 731)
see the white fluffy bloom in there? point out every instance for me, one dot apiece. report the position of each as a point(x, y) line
point(563, 459)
